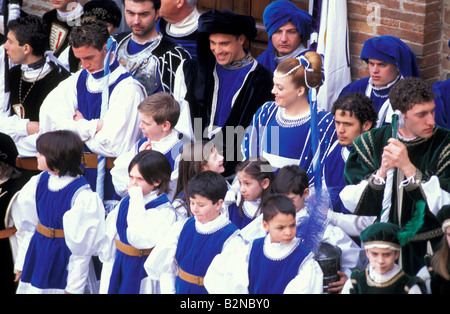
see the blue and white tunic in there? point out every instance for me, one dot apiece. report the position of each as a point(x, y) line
point(264, 266)
point(89, 104)
point(196, 250)
point(333, 174)
point(170, 146)
point(190, 246)
point(140, 221)
point(57, 265)
point(83, 91)
point(249, 212)
point(262, 270)
point(284, 140)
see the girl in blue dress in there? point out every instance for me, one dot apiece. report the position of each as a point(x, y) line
point(255, 177)
point(136, 225)
point(59, 220)
point(280, 130)
point(181, 261)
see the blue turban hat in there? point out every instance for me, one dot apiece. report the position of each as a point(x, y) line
point(280, 12)
point(393, 50)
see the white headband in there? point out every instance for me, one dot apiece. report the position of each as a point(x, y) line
point(303, 62)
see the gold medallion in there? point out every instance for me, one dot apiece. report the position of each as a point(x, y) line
point(19, 110)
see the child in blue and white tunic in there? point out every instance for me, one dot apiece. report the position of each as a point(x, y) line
point(159, 114)
point(280, 131)
point(255, 177)
point(136, 225)
point(182, 260)
point(59, 220)
point(274, 264)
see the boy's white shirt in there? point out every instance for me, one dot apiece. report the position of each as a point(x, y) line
point(161, 264)
point(145, 229)
point(119, 172)
point(333, 235)
point(228, 272)
point(120, 129)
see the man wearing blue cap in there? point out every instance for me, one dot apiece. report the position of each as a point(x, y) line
point(288, 28)
point(389, 59)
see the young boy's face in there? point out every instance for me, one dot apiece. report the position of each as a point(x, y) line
point(382, 260)
point(136, 179)
point(153, 131)
point(298, 200)
point(203, 208)
point(281, 228)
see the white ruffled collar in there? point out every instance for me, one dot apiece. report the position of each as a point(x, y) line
point(56, 183)
point(213, 225)
point(250, 207)
point(279, 251)
point(380, 279)
point(165, 144)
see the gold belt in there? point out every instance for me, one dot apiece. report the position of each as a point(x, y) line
point(50, 232)
point(131, 250)
point(27, 163)
point(197, 280)
point(90, 161)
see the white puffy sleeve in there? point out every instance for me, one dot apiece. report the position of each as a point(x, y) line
point(59, 107)
point(120, 129)
point(161, 264)
point(228, 271)
point(108, 250)
point(309, 279)
point(25, 218)
point(119, 172)
point(147, 227)
point(350, 258)
point(84, 230)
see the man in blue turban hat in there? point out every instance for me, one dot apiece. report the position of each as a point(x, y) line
point(389, 59)
point(288, 28)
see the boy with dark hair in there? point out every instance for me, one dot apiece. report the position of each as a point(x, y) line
point(182, 260)
point(35, 75)
point(275, 263)
point(353, 115)
point(292, 181)
point(418, 156)
point(105, 116)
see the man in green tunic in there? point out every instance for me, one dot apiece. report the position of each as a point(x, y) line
point(389, 172)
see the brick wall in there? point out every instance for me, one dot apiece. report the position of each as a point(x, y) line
point(424, 25)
